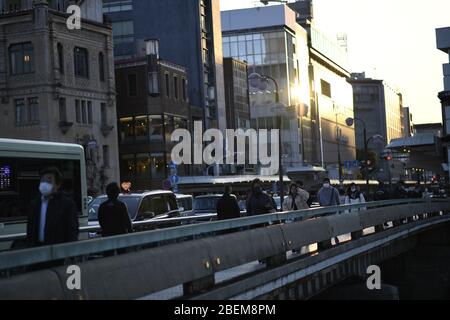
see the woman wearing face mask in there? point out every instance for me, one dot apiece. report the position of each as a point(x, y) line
point(354, 196)
point(53, 216)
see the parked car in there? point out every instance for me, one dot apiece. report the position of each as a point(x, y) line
point(142, 206)
point(206, 204)
point(185, 204)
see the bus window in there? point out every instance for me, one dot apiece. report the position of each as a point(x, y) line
point(19, 182)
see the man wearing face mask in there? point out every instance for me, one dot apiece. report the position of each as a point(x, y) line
point(328, 196)
point(53, 216)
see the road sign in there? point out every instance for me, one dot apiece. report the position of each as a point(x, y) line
point(172, 165)
point(356, 164)
point(174, 179)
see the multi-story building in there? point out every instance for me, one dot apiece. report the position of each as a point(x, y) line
point(152, 102)
point(407, 122)
point(380, 106)
point(237, 98)
point(331, 97)
point(58, 84)
point(190, 35)
point(435, 129)
point(274, 45)
point(443, 44)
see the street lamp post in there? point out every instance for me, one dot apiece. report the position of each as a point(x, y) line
point(260, 81)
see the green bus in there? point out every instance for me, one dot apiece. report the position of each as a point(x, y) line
point(20, 164)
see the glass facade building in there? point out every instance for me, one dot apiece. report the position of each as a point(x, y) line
point(273, 51)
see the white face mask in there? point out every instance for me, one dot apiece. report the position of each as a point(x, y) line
point(46, 188)
point(326, 185)
point(353, 189)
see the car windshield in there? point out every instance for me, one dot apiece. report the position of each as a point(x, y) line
point(131, 202)
point(206, 203)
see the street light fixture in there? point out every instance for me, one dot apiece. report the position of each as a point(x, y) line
point(260, 82)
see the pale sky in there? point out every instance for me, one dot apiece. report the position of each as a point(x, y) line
point(392, 40)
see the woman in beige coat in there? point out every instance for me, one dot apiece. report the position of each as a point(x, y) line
point(296, 200)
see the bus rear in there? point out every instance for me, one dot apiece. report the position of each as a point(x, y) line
point(20, 164)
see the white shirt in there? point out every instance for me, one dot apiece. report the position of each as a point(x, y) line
point(43, 217)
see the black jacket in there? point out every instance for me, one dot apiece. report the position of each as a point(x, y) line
point(113, 218)
point(228, 208)
point(260, 203)
point(61, 221)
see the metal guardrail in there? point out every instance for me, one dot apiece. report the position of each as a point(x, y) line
point(26, 257)
point(153, 222)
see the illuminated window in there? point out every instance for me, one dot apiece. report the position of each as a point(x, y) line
point(21, 58)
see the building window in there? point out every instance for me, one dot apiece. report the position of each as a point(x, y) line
point(33, 110)
point(89, 112)
point(167, 85)
point(21, 58)
point(175, 87)
point(157, 166)
point(104, 114)
point(153, 84)
point(326, 88)
point(155, 128)
point(27, 114)
point(20, 111)
point(60, 58)
point(62, 110)
point(123, 32)
point(14, 5)
point(183, 89)
point(132, 85)
point(81, 62)
point(101, 66)
point(83, 110)
point(126, 130)
point(106, 156)
point(118, 6)
point(141, 129)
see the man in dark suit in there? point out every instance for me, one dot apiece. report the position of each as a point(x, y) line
point(53, 217)
point(113, 214)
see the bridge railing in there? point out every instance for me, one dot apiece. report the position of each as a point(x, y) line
point(83, 249)
point(145, 224)
point(193, 264)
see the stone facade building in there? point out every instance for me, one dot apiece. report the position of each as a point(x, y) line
point(152, 102)
point(58, 84)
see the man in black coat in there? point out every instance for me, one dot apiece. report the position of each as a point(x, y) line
point(53, 217)
point(227, 206)
point(259, 202)
point(113, 214)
